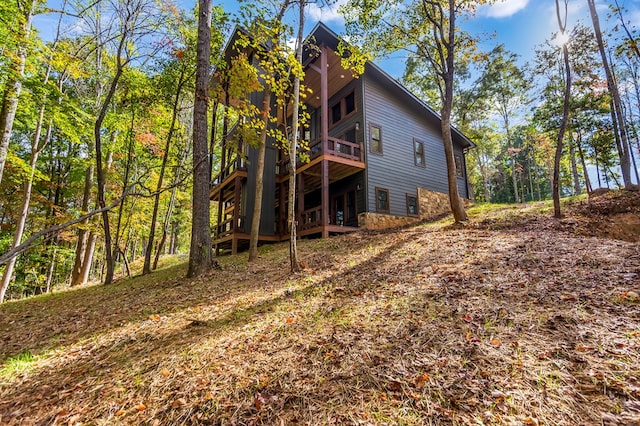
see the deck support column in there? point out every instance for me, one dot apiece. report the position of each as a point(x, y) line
point(324, 117)
point(324, 170)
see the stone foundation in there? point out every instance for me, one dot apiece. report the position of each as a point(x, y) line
point(431, 204)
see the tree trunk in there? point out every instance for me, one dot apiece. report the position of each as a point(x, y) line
point(457, 207)
point(36, 148)
point(293, 151)
point(577, 189)
point(623, 152)
point(565, 118)
point(200, 253)
point(257, 208)
point(13, 86)
point(169, 213)
point(585, 172)
point(156, 201)
point(83, 233)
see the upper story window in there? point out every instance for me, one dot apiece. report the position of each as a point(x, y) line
point(418, 153)
point(382, 200)
point(343, 108)
point(375, 142)
point(459, 165)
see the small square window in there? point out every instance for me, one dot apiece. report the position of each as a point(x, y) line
point(382, 200)
point(376, 139)
point(418, 153)
point(459, 166)
point(412, 205)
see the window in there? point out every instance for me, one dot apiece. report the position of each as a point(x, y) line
point(459, 165)
point(343, 108)
point(375, 144)
point(382, 200)
point(412, 205)
point(349, 103)
point(418, 153)
point(336, 113)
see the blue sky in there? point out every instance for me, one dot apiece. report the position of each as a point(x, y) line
point(520, 24)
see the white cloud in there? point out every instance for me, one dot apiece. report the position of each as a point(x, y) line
point(320, 11)
point(504, 8)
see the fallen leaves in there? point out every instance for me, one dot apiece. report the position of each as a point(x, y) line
point(485, 328)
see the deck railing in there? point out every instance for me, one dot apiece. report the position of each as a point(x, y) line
point(227, 227)
point(335, 147)
point(311, 218)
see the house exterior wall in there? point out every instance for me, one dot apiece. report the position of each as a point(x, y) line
point(395, 170)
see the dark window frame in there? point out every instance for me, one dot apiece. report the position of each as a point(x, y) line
point(379, 127)
point(342, 103)
point(459, 163)
point(378, 208)
point(417, 142)
point(417, 213)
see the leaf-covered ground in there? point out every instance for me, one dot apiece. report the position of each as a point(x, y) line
point(517, 318)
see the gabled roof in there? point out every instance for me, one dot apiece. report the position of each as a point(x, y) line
point(323, 34)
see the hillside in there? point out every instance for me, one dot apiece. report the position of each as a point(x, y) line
point(516, 319)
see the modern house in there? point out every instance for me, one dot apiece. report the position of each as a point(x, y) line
point(376, 159)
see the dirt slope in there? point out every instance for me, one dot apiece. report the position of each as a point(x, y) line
point(516, 319)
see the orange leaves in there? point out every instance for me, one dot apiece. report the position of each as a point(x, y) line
point(154, 317)
point(290, 320)
point(141, 407)
point(421, 380)
point(466, 318)
point(495, 342)
point(165, 372)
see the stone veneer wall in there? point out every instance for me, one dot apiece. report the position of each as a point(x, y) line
point(431, 204)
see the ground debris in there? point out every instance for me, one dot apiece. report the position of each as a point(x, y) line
point(517, 319)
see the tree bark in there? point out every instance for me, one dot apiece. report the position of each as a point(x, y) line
point(14, 85)
point(293, 151)
point(200, 253)
point(565, 117)
point(577, 189)
point(623, 152)
point(83, 233)
point(257, 208)
point(457, 208)
point(156, 201)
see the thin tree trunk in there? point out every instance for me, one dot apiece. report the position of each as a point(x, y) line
point(14, 86)
point(585, 172)
point(577, 189)
point(97, 132)
point(156, 201)
point(623, 152)
point(565, 114)
point(169, 213)
point(83, 233)
point(257, 207)
point(293, 150)
point(52, 268)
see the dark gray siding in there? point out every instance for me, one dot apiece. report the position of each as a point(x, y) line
point(402, 122)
